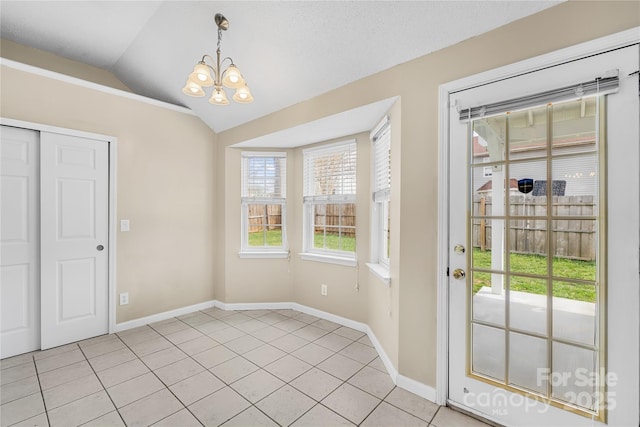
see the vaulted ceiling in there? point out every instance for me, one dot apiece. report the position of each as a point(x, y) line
point(288, 51)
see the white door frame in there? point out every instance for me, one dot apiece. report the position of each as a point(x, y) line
point(112, 221)
point(572, 53)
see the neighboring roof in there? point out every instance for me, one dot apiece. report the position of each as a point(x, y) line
point(488, 186)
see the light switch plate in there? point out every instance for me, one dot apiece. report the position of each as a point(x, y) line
point(124, 225)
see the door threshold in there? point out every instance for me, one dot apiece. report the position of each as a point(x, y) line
point(475, 415)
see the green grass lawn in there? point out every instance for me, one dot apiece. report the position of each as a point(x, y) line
point(537, 264)
point(274, 238)
point(333, 242)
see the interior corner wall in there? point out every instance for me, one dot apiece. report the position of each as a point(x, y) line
point(415, 198)
point(166, 186)
point(347, 287)
point(249, 280)
point(383, 315)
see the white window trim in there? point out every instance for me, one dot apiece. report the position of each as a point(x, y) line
point(247, 251)
point(330, 259)
point(264, 254)
point(324, 255)
point(380, 271)
point(379, 264)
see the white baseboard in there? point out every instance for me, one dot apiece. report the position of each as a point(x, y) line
point(416, 387)
point(401, 381)
point(163, 316)
point(358, 326)
point(391, 370)
point(254, 305)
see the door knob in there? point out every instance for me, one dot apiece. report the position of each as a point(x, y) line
point(99, 248)
point(459, 273)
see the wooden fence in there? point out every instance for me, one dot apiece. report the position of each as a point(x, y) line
point(333, 216)
point(336, 218)
point(270, 215)
point(571, 238)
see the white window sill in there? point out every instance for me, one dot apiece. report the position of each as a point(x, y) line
point(263, 254)
point(330, 259)
point(380, 271)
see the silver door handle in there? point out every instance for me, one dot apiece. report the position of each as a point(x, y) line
point(99, 248)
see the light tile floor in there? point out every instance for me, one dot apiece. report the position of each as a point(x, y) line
point(215, 367)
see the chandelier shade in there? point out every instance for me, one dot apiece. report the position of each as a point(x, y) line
point(193, 89)
point(243, 95)
point(206, 75)
point(201, 75)
point(232, 77)
point(219, 97)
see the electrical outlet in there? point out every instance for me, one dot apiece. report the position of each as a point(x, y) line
point(323, 290)
point(124, 298)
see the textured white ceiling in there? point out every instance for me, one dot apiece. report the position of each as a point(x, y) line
point(288, 51)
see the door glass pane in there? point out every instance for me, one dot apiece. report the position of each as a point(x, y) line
point(575, 185)
point(574, 375)
point(485, 254)
point(528, 246)
point(528, 188)
point(527, 355)
point(489, 136)
point(574, 126)
point(488, 298)
point(528, 304)
point(574, 243)
point(489, 191)
point(488, 351)
point(574, 312)
point(528, 133)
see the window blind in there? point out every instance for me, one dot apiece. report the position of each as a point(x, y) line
point(599, 86)
point(382, 164)
point(264, 176)
point(330, 173)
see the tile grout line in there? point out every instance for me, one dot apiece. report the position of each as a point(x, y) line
point(102, 384)
point(263, 368)
point(162, 382)
point(44, 403)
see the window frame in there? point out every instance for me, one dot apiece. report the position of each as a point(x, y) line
point(310, 201)
point(381, 199)
point(246, 251)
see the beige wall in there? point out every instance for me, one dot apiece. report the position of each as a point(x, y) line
point(283, 280)
point(166, 186)
point(249, 280)
point(414, 199)
point(41, 59)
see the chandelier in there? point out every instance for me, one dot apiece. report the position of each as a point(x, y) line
point(229, 77)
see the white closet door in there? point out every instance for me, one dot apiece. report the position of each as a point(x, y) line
point(74, 238)
point(19, 236)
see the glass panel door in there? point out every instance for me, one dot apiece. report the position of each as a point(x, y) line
point(543, 249)
point(537, 289)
